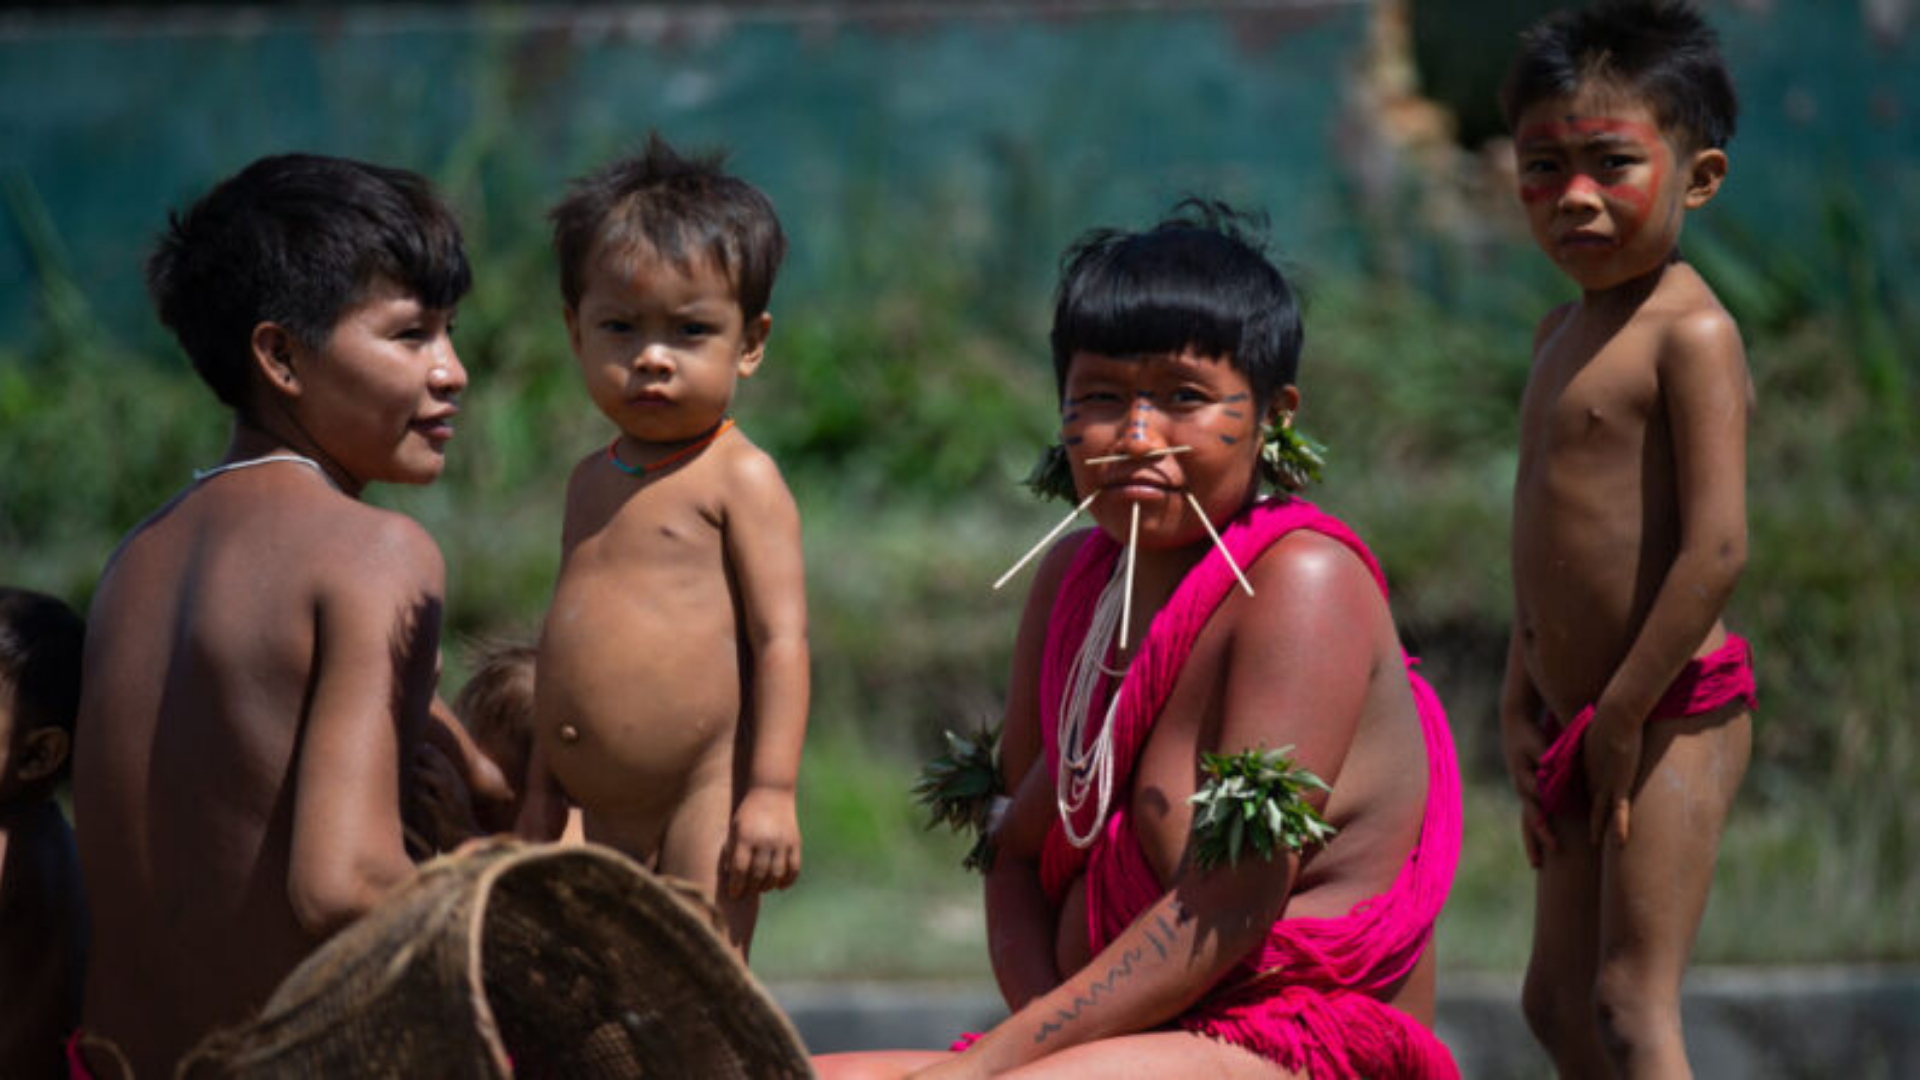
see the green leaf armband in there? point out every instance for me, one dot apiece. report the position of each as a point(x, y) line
point(1255, 801)
point(961, 788)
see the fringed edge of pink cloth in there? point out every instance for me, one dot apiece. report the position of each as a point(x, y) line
point(1719, 678)
point(1332, 1035)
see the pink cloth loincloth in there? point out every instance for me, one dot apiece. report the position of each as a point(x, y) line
point(77, 1062)
point(1717, 679)
point(1311, 997)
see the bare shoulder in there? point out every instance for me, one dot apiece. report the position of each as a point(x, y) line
point(1053, 565)
point(1550, 324)
point(1312, 566)
point(750, 479)
point(583, 470)
point(362, 546)
point(1702, 332)
point(743, 462)
point(1698, 342)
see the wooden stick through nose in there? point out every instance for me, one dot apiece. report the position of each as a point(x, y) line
point(1162, 452)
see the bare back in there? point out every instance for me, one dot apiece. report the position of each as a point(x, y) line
point(260, 655)
point(1603, 490)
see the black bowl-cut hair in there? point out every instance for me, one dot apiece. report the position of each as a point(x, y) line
point(1198, 280)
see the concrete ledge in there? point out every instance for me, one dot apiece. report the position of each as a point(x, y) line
point(1759, 1023)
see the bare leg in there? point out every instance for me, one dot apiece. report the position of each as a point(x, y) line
point(696, 837)
point(1558, 997)
point(876, 1065)
point(1160, 1054)
point(1654, 889)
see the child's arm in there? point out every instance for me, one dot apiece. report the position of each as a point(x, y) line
point(464, 794)
point(1705, 389)
point(763, 547)
point(1523, 743)
point(544, 807)
point(376, 649)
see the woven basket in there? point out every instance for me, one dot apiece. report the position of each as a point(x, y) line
point(519, 961)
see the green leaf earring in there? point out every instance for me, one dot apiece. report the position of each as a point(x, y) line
point(1290, 460)
point(1052, 476)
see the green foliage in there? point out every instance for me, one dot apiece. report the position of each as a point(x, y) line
point(1290, 459)
point(1052, 476)
point(1255, 802)
point(959, 788)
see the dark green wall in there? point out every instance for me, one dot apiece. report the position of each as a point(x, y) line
point(1013, 129)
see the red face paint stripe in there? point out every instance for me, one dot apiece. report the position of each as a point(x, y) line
point(1557, 133)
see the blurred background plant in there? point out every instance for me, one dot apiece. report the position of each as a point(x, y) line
point(908, 391)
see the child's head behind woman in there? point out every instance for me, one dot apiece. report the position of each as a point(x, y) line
point(41, 639)
point(496, 704)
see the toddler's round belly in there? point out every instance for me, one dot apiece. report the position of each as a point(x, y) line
point(627, 719)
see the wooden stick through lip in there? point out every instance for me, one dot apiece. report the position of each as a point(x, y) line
point(1045, 540)
point(1126, 599)
point(1162, 452)
point(1217, 542)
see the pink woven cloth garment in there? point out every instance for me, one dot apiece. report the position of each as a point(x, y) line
point(1310, 998)
point(76, 1062)
point(1717, 679)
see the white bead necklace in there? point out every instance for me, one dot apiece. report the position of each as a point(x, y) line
point(300, 459)
point(1086, 769)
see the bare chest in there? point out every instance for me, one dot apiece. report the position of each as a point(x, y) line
point(665, 528)
point(1590, 405)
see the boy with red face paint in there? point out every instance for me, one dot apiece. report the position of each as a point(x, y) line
point(1626, 714)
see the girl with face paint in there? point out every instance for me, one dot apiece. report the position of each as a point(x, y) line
point(1199, 618)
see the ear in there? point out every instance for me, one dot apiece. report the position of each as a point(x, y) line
point(1286, 402)
point(45, 751)
point(572, 315)
point(273, 349)
point(753, 340)
point(1705, 172)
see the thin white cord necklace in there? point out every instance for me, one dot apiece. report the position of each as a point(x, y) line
point(302, 459)
point(1086, 769)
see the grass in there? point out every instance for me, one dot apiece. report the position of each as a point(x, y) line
point(904, 425)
